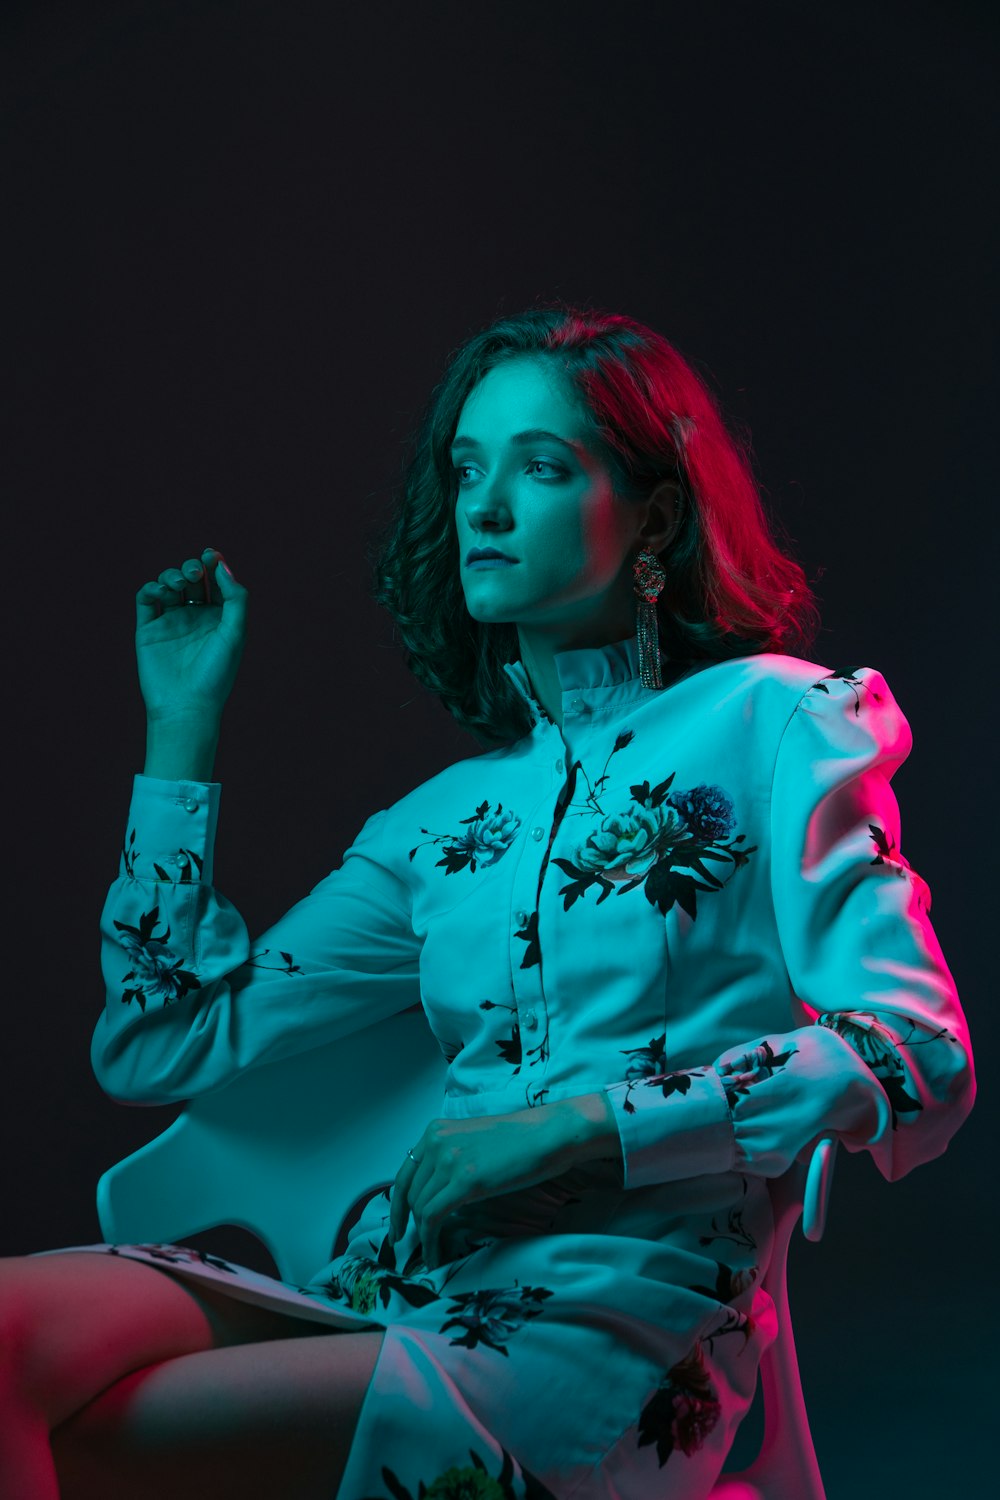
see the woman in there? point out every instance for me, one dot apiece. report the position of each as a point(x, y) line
point(662, 930)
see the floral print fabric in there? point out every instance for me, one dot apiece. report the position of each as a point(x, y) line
point(691, 899)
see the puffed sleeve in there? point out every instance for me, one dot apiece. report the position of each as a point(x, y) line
point(885, 1062)
point(190, 1000)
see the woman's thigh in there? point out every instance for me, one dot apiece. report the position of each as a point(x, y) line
point(71, 1324)
point(246, 1423)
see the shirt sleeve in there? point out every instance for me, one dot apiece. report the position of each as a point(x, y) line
point(191, 1001)
point(885, 1062)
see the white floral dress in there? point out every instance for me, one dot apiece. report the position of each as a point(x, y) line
point(693, 899)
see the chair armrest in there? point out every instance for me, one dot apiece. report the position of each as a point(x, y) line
point(819, 1184)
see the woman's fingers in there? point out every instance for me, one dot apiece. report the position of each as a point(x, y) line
point(193, 579)
point(431, 1217)
point(402, 1192)
point(418, 1190)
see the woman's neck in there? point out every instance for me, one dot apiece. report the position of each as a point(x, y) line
point(538, 654)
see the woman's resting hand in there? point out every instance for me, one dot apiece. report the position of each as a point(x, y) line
point(460, 1161)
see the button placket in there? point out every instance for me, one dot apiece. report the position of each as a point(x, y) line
point(526, 983)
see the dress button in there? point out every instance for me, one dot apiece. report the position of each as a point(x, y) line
point(520, 917)
point(560, 765)
point(182, 860)
point(537, 833)
point(191, 804)
point(530, 1019)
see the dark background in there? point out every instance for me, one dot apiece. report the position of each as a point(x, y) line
point(242, 240)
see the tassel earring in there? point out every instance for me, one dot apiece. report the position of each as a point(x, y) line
point(649, 578)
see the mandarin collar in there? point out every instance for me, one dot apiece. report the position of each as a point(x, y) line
point(593, 679)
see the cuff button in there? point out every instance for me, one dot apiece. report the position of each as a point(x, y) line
point(190, 804)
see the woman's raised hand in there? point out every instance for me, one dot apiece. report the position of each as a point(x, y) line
point(188, 656)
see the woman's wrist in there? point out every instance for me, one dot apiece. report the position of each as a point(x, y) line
point(584, 1128)
point(181, 749)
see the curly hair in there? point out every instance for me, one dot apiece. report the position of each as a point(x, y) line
point(731, 589)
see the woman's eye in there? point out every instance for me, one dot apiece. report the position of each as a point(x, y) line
point(459, 470)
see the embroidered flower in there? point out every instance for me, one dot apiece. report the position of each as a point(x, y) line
point(683, 1411)
point(465, 1484)
point(873, 1042)
point(666, 841)
point(707, 811)
point(364, 1291)
point(628, 844)
point(473, 1482)
point(486, 839)
point(693, 1420)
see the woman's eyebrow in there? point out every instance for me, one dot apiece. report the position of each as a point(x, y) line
point(532, 435)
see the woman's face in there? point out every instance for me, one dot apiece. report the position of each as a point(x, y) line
point(530, 488)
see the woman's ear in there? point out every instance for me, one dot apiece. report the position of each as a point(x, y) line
point(663, 516)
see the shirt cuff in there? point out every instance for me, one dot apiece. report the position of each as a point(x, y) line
point(170, 832)
point(673, 1125)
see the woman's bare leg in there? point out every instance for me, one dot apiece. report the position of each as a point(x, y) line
point(73, 1325)
point(248, 1423)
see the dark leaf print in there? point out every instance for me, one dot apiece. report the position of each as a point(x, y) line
point(731, 1321)
point(740, 1074)
point(654, 797)
point(647, 1060)
point(674, 1083)
point(667, 1083)
point(159, 973)
point(886, 852)
point(529, 934)
point(289, 966)
point(397, 1490)
point(729, 1284)
point(900, 1102)
point(735, 1232)
point(578, 886)
point(510, 1050)
point(850, 676)
point(665, 886)
point(128, 855)
point(493, 1315)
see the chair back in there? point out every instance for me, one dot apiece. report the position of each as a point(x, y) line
point(285, 1149)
